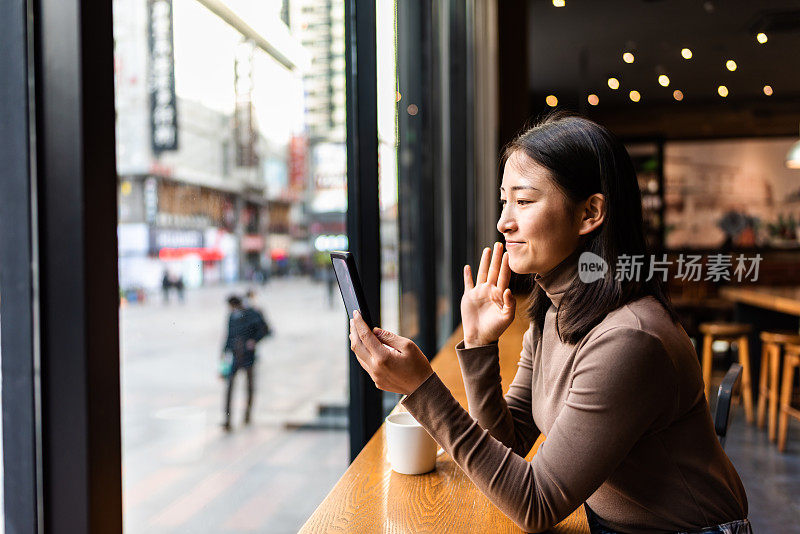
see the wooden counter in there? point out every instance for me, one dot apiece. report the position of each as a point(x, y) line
point(775, 298)
point(370, 497)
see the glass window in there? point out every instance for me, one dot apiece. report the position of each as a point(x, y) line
point(232, 183)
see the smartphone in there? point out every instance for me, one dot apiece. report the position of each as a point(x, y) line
point(344, 265)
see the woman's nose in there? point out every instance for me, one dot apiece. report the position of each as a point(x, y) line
point(505, 223)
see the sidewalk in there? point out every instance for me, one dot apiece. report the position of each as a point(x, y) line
point(181, 473)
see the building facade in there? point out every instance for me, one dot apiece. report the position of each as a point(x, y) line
point(202, 194)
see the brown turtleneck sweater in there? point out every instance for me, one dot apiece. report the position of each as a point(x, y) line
point(628, 427)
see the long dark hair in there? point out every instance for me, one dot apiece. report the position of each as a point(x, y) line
point(584, 158)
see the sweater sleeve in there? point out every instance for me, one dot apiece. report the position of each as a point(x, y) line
point(508, 419)
point(623, 381)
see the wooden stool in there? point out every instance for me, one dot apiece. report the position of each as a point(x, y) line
point(769, 381)
point(791, 361)
point(729, 332)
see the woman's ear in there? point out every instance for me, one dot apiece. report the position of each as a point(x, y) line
point(593, 213)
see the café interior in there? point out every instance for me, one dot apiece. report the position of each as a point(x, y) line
point(704, 95)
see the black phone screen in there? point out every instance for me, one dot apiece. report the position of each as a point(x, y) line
point(346, 286)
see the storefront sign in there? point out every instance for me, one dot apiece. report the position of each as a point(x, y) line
point(161, 77)
point(174, 238)
point(244, 132)
point(150, 200)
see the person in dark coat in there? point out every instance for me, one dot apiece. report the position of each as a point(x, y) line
point(246, 327)
point(178, 284)
point(166, 283)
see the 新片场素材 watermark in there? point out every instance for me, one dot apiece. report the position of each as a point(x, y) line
point(690, 267)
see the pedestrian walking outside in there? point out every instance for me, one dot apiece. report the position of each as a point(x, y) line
point(246, 327)
point(165, 285)
point(177, 283)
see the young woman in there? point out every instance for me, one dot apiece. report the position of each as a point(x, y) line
point(606, 372)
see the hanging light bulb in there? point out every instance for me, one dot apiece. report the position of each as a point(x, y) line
point(551, 100)
point(593, 99)
point(723, 91)
point(663, 80)
point(730, 65)
point(635, 96)
point(613, 83)
point(762, 37)
point(686, 53)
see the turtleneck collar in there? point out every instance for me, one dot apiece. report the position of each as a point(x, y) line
point(556, 281)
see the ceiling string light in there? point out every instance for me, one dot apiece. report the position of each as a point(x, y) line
point(723, 91)
point(677, 94)
point(613, 83)
point(686, 53)
point(730, 65)
point(627, 52)
point(762, 37)
point(635, 96)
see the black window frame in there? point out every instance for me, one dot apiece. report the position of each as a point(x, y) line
point(365, 410)
point(60, 331)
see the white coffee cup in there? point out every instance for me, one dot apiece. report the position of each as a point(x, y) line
point(411, 450)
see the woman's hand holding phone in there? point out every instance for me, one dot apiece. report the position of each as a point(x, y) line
point(487, 307)
point(394, 363)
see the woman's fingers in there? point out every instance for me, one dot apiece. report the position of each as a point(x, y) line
point(505, 274)
point(362, 354)
point(468, 278)
point(497, 258)
point(510, 303)
point(365, 334)
point(483, 270)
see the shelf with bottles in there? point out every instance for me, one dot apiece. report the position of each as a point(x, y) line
point(647, 158)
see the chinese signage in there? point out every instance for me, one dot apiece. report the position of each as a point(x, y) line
point(245, 135)
point(161, 77)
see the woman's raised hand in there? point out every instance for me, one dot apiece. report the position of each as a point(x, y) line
point(487, 307)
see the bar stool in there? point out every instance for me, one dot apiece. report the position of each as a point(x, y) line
point(769, 380)
point(791, 361)
point(729, 332)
